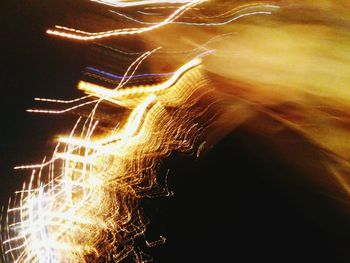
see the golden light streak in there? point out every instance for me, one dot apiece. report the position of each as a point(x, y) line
point(121, 96)
point(234, 15)
point(121, 3)
point(87, 36)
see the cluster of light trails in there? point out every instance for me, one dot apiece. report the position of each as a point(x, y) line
point(82, 204)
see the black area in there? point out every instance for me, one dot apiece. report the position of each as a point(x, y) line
point(240, 203)
point(32, 65)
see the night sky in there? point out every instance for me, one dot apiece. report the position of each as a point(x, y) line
point(238, 203)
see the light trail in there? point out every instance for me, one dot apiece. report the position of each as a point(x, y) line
point(235, 16)
point(87, 36)
point(114, 76)
point(136, 91)
point(116, 3)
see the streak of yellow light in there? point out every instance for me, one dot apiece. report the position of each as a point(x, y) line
point(121, 3)
point(87, 36)
point(118, 96)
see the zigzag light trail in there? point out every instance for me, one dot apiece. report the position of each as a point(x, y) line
point(87, 36)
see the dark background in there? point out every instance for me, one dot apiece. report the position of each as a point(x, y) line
point(238, 203)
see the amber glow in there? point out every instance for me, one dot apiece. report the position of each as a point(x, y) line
point(98, 175)
point(221, 64)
